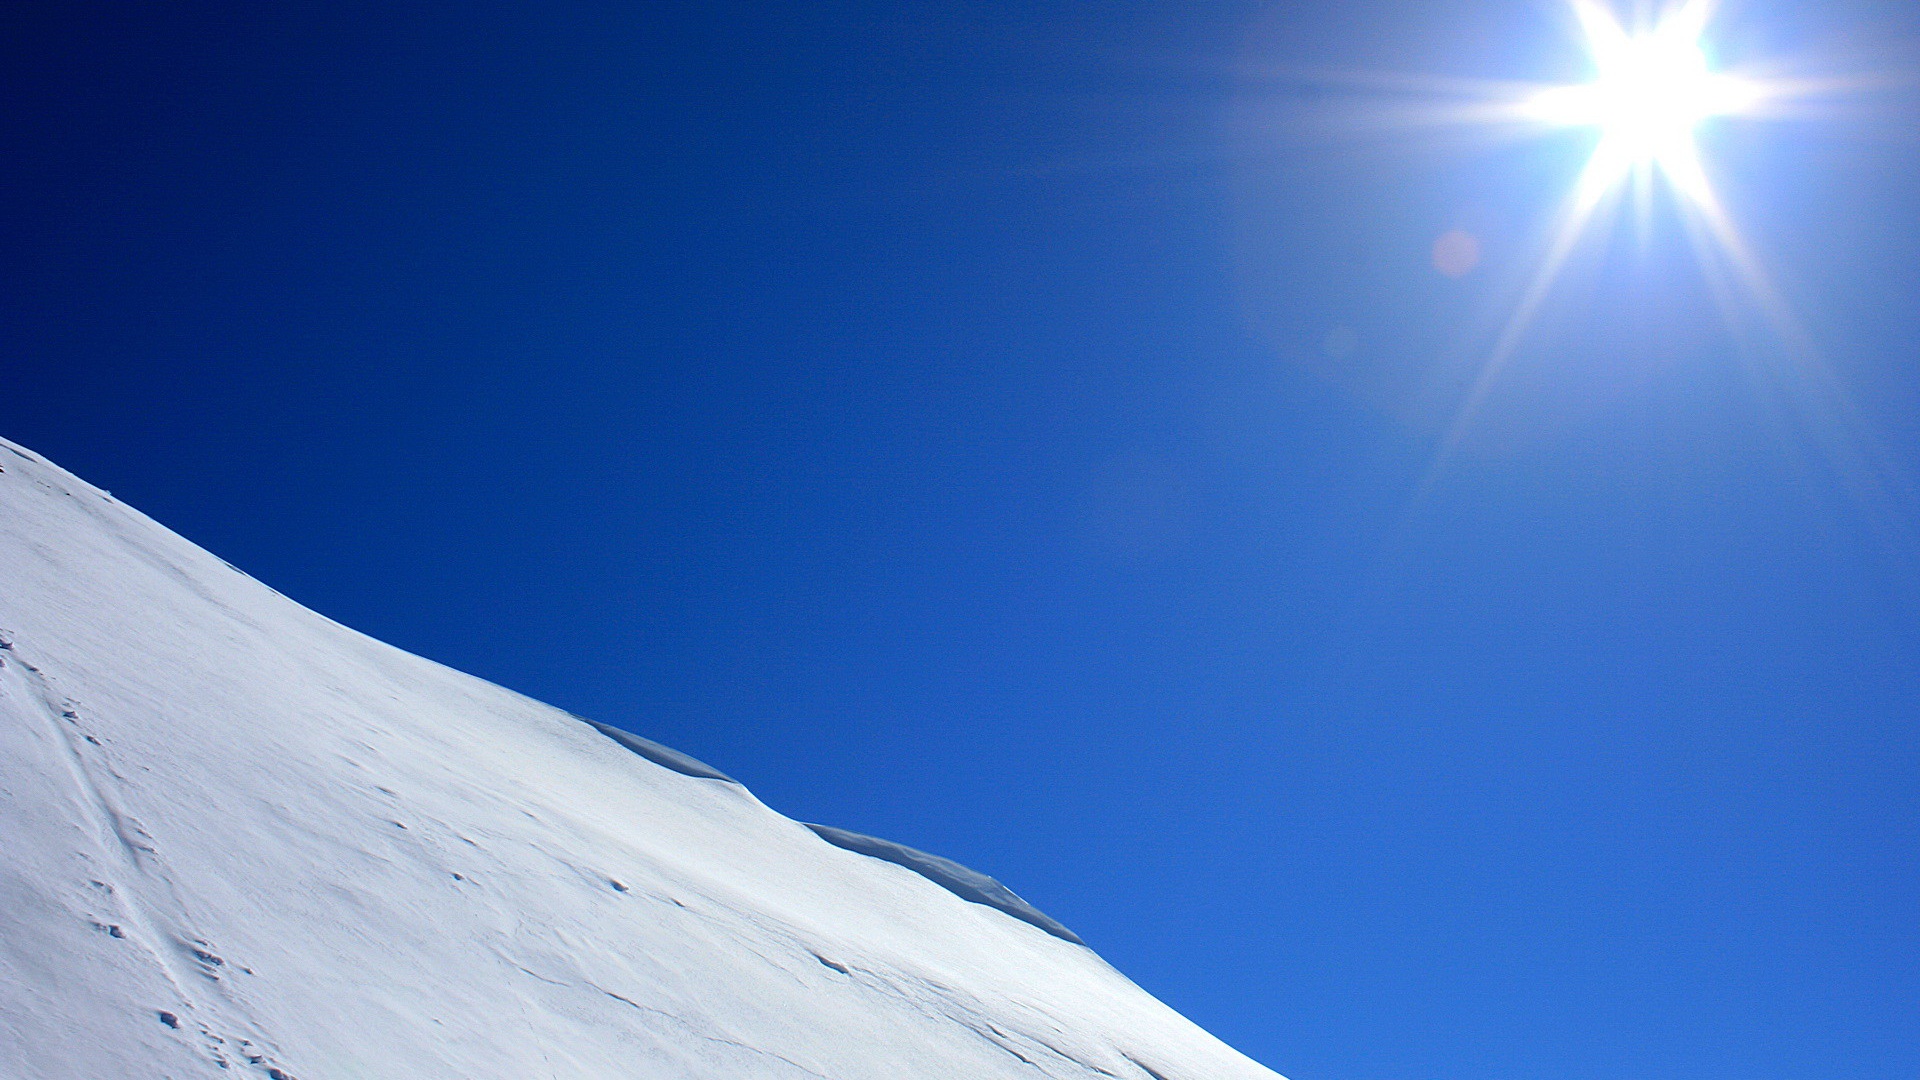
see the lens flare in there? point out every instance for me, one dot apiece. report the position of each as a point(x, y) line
point(1650, 92)
point(1650, 89)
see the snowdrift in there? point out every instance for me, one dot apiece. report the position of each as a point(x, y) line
point(239, 839)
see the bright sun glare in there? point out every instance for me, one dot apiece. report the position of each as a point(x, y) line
point(1651, 90)
point(1653, 86)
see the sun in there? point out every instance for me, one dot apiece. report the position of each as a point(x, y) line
point(1650, 92)
point(1653, 87)
point(1653, 92)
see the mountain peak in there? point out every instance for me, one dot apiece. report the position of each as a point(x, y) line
point(245, 840)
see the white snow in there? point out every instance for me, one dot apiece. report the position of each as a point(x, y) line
point(238, 839)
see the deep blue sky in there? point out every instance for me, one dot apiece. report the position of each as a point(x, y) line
point(998, 426)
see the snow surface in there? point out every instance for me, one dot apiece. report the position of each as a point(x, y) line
point(959, 880)
point(964, 882)
point(667, 756)
point(239, 839)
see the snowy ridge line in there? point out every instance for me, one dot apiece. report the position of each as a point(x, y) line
point(964, 882)
point(242, 841)
point(664, 756)
point(25, 454)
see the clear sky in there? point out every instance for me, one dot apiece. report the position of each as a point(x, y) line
point(1034, 432)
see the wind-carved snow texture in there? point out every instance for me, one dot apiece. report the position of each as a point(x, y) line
point(949, 875)
point(664, 756)
point(240, 840)
point(964, 882)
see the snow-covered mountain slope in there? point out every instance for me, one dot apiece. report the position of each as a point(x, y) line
point(239, 839)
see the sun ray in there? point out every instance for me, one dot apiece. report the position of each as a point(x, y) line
point(1651, 91)
point(1652, 87)
point(1598, 178)
point(1823, 410)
